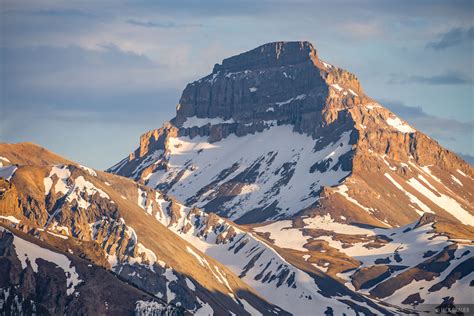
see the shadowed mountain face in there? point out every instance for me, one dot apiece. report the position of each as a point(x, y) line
point(278, 188)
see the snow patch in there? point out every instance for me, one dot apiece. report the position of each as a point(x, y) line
point(411, 197)
point(343, 189)
point(456, 180)
point(284, 236)
point(447, 203)
point(298, 97)
point(352, 92)
point(30, 252)
point(196, 121)
point(400, 125)
point(326, 64)
point(89, 170)
point(7, 172)
point(327, 223)
point(11, 218)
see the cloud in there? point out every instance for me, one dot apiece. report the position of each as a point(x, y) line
point(57, 70)
point(444, 129)
point(454, 37)
point(447, 78)
point(71, 84)
point(170, 24)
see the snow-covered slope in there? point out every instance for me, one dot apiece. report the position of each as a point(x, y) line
point(299, 260)
point(423, 262)
point(241, 175)
point(296, 290)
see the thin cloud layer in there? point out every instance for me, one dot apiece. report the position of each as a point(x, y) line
point(454, 37)
point(447, 78)
point(168, 24)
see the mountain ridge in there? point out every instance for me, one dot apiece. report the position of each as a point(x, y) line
point(98, 216)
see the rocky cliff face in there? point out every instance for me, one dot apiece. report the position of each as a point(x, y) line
point(276, 131)
point(284, 82)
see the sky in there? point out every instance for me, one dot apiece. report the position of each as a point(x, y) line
point(86, 78)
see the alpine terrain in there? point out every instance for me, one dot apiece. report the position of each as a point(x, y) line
point(279, 188)
point(309, 190)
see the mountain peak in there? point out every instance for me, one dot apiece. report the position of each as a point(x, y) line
point(275, 83)
point(309, 118)
point(269, 55)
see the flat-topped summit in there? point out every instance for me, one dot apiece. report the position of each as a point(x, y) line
point(269, 55)
point(280, 82)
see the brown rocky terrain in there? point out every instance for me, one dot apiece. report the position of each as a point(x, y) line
point(99, 218)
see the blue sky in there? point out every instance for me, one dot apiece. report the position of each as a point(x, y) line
point(86, 79)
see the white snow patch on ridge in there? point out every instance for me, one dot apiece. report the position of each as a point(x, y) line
point(343, 189)
point(7, 172)
point(74, 190)
point(11, 218)
point(196, 121)
point(462, 173)
point(82, 185)
point(298, 97)
point(62, 173)
point(200, 259)
point(284, 236)
point(411, 197)
point(89, 170)
point(29, 251)
point(327, 223)
point(400, 125)
point(456, 180)
point(447, 203)
point(326, 64)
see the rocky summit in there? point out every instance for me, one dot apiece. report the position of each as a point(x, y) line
point(279, 188)
point(276, 132)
